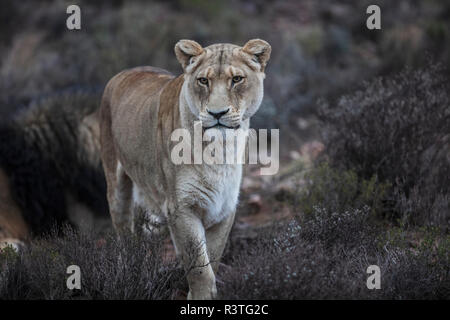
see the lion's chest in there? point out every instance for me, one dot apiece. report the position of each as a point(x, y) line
point(214, 192)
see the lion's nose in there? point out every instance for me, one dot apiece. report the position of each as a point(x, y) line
point(218, 114)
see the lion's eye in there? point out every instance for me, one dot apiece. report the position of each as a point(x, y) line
point(203, 81)
point(237, 79)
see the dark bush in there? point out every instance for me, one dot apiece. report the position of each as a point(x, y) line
point(131, 267)
point(397, 129)
point(328, 259)
point(350, 227)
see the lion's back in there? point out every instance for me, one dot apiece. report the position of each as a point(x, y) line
point(135, 83)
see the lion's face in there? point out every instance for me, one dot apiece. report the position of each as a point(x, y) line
point(223, 82)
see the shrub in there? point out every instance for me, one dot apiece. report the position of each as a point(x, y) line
point(396, 128)
point(352, 227)
point(131, 267)
point(340, 190)
point(328, 259)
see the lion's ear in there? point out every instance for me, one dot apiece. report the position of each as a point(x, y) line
point(260, 49)
point(185, 50)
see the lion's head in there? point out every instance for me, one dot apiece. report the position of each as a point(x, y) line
point(223, 83)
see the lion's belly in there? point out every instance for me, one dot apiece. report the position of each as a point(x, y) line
point(154, 218)
point(213, 194)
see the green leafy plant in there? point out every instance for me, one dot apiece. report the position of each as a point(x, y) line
point(339, 190)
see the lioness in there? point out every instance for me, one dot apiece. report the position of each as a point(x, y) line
point(222, 86)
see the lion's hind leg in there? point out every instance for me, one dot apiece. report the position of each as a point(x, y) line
point(120, 193)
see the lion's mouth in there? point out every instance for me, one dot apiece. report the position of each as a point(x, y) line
point(221, 125)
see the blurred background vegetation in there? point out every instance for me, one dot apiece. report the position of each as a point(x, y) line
point(320, 48)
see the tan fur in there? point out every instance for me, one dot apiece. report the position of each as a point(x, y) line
point(13, 229)
point(140, 109)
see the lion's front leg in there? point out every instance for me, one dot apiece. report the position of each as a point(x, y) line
point(188, 235)
point(216, 239)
